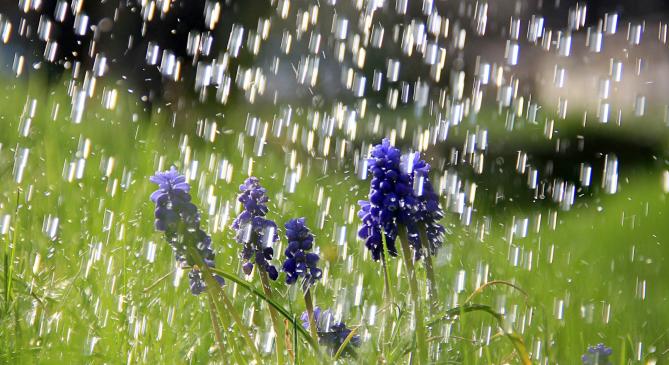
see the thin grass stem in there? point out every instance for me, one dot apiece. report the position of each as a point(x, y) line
point(212, 284)
point(387, 294)
point(214, 323)
point(10, 252)
point(280, 340)
point(158, 281)
point(348, 339)
point(310, 313)
point(515, 339)
point(429, 271)
point(421, 338)
point(480, 289)
point(287, 315)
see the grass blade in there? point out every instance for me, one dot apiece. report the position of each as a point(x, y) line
point(214, 323)
point(158, 281)
point(295, 349)
point(280, 344)
point(345, 343)
point(421, 337)
point(287, 315)
point(516, 340)
point(481, 288)
point(212, 285)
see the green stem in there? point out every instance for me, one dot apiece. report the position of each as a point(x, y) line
point(7, 274)
point(235, 317)
point(287, 315)
point(214, 323)
point(515, 339)
point(226, 324)
point(280, 339)
point(296, 356)
point(10, 252)
point(480, 289)
point(158, 281)
point(212, 284)
point(124, 291)
point(429, 270)
point(224, 321)
point(344, 344)
point(310, 312)
point(415, 296)
point(387, 296)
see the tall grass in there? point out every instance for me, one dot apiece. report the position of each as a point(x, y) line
point(104, 289)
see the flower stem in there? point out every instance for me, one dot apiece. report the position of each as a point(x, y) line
point(214, 323)
point(216, 313)
point(386, 276)
point(280, 340)
point(310, 312)
point(415, 296)
point(10, 252)
point(387, 295)
point(429, 270)
point(431, 284)
point(279, 309)
point(213, 285)
point(231, 309)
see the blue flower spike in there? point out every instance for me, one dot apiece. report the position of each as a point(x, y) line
point(300, 263)
point(400, 194)
point(597, 355)
point(256, 233)
point(179, 218)
point(331, 333)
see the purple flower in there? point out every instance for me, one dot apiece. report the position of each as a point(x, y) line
point(387, 191)
point(173, 201)
point(180, 220)
point(299, 262)
point(254, 231)
point(400, 194)
point(597, 355)
point(331, 333)
point(428, 212)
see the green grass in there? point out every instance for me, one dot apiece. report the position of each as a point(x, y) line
point(82, 297)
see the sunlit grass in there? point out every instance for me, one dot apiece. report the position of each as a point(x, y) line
point(94, 292)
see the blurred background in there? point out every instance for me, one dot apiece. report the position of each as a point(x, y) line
point(66, 37)
point(545, 122)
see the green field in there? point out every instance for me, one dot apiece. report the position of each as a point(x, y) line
point(88, 288)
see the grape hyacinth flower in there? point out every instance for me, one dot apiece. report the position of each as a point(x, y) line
point(257, 233)
point(299, 262)
point(178, 217)
point(597, 355)
point(428, 212)
point(400, 194)
point(331, 333)
point(254, 231)
point(388, 189)
point(398, 205)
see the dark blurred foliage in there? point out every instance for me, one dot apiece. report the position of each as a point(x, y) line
point(117, 30)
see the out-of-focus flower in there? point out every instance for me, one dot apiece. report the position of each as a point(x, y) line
point(331, 333)
point(254, 231)
point(178, 217)
point(400, 194)
point(428, 212)
point(299, 262)
point(597, 355)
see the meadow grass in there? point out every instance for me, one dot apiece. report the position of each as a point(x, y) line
point(95, 291)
